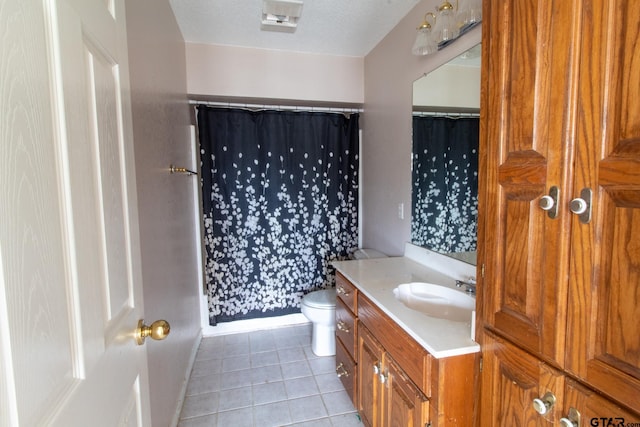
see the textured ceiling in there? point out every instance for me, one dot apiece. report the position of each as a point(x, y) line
point(335, 27)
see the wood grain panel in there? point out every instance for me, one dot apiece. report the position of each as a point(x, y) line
point(530, 64)
point(346, 366)
point(511, 380)
point(346, 292)
point(370, 356)
point(594, 409)
point(413, 358)
point(603, 315)
point(346, 328)
point(405, 405)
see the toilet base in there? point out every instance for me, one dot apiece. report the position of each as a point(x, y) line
point(323, 340)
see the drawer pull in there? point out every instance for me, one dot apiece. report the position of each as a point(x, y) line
point(341, 371)
point(342, 327)
point(383, 377)
point(543, 405)
point(342, 291)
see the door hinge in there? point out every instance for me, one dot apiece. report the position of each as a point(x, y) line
point(482, 271)
point(481, 363)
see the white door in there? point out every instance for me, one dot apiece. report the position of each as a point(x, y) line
point(70, 279)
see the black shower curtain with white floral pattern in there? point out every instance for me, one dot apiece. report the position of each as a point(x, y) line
point(445, 183)
point(280, 201)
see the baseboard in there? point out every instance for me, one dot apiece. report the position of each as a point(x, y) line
point(185, 382)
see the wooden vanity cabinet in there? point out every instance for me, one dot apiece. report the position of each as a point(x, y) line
point(400, 383)
point(346, 333)
point(559, 289)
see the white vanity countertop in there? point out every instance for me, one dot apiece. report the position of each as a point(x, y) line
point(376, 278)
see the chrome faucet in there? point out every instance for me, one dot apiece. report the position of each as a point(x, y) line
point(469, 284)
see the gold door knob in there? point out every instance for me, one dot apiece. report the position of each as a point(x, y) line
point(158, 330)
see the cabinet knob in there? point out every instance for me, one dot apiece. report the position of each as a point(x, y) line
point(543, 405)
point(376, 369)
point(342, 326)
point(572, 419)
point(343, 291)
point(578, 206)
point(581, 206)
point(341, 371)
point(549, 203)
point(546, 203)
point(383, 378)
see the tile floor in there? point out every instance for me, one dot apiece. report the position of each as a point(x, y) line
point(265, 378)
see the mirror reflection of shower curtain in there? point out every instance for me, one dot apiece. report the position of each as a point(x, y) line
point(445, 183)
point(280, 200)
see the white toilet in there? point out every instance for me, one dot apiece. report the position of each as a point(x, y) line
point(320, 308)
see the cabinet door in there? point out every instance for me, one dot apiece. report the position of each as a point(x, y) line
point(404, 405)
point(511, 380)
point(528, 68)
point(595, 410)
point(604, 288)
point(369, 395)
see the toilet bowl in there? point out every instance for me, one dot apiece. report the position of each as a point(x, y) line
point(320, 308)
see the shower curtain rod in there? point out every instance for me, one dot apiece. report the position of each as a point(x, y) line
point(449, 114)
point(257, 107)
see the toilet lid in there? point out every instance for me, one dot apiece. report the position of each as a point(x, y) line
point(325, 298)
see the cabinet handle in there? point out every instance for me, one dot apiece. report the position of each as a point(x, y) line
point(342, 326)
point(383, 377)
point(342, 291)
point(581, 206)
point(341, 371)
point(543, 405)
point(376, 369)
point(549, 202)
point(572, 419)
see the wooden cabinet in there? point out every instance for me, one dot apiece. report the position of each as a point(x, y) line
point(397, 382)
point(416, 387)
point(387, 396)
point(346, 333)
point(561, 115)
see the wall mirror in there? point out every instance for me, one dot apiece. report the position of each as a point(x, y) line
point(446, 116)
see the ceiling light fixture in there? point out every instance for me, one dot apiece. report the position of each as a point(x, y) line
point(449, 23)
point(281, 15)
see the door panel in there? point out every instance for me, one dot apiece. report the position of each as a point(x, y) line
point(604, 314)
point(70, 281)
point(370, 355)
point(404, 404)
point(594, 409)
point(33, 246)
point(529, 66)
point(511, 380)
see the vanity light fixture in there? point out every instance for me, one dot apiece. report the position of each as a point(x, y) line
point(449, 23)
point(281, 15)
point(425, 43)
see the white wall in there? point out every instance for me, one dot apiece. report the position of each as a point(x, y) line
point(390, 70)
point(227, 71)
point(434, 89)
point(162, 136)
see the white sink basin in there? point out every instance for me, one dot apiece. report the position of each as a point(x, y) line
point(436, 301)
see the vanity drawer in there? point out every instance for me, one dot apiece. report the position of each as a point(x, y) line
point(346, 327)
point(346, 370)
point(346, 292)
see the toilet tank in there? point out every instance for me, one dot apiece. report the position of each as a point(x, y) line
point(364, 253)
